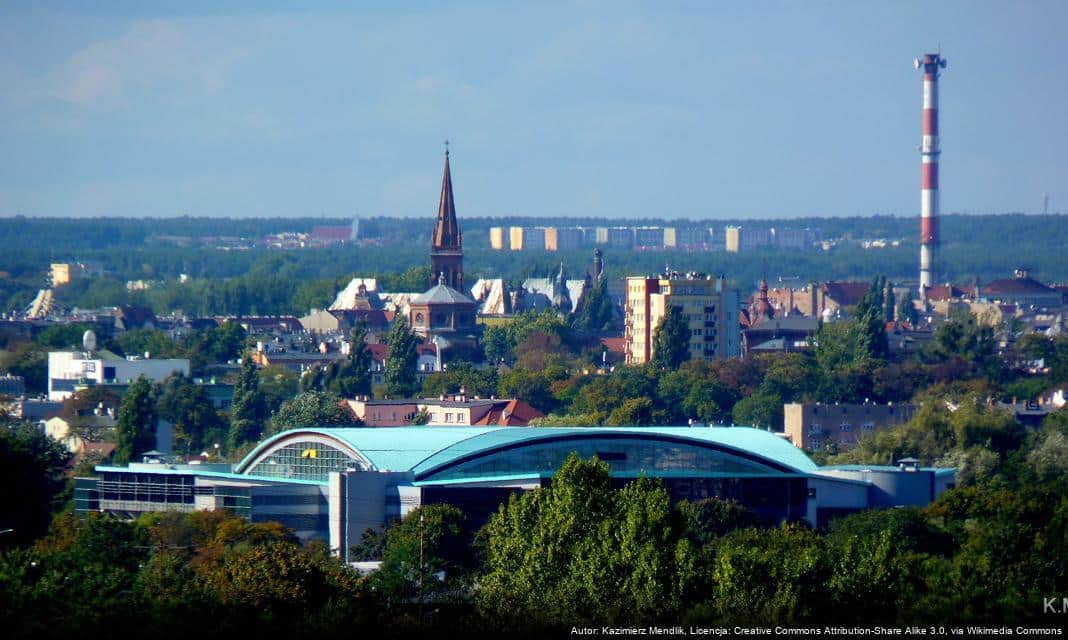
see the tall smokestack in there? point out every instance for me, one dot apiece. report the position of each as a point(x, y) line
point(929, 150)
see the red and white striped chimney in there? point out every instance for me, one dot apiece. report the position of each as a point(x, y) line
point(929, 150)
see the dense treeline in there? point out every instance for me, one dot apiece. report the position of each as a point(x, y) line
point(270, 282)
point(579, 552)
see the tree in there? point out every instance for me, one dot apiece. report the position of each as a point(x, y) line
point(579, 551)
point(762, 410)
point(401, 357)
point(277, 384)
point(312, 409)
point(671, 340)
point(475, 381)
point(29, 361)
point(596, 313)
point(442, 532)
point(776, 576)
point(533, 387)
point(354, 375)
point(246, 410)
point(186, 404)
point(32, 465)
point(843, 362)
point(136, 428)
point(62, 336)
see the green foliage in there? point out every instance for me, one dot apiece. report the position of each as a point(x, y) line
point(441, 531)
point(186, 405)
point(597, 313)
point(762, 410)
point(530, 386)
point(778, 577)
point(401, 357)
point(475, 381)
point(277, 384)
point(136, 427)
point(354, 374)
point(312, 409)
point(62, 336)
point(581, 552)
point(31, 466)
point(708, 519)
point(247, 409)
point(29, 361)
point(843, 361)
point(529, 340)
point(671, 340)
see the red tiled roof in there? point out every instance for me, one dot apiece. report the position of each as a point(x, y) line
point(378, 351)
point(615, 345)
point(945, 292)
point(518, 412)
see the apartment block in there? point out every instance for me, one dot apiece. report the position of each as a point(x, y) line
point(710, 308)
point(810, 426)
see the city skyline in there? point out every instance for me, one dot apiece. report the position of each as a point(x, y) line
point(615, 111)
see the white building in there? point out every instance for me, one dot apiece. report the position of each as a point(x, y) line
point(69, 368)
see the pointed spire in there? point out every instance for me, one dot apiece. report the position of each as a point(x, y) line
point(447, 230)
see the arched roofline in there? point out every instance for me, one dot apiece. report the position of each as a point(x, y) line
point(611, 435)
point(286, 438)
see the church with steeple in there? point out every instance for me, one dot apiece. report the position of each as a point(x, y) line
point(444, 311)
point(446, 248)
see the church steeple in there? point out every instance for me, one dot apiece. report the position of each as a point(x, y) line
point(446, 250)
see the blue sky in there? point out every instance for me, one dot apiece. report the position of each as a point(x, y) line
point(613, 109)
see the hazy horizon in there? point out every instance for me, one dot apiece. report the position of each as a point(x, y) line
point(619, 111)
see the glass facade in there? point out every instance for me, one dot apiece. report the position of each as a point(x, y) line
point(138, 492)
point(623, 456)
point(304, 461)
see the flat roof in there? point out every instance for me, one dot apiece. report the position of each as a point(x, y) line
point(165, 470)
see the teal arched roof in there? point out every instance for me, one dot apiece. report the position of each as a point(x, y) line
point(423, 450)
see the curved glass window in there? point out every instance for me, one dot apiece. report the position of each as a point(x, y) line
point(304, 461)
point(623, 457)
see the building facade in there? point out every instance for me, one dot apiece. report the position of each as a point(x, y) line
point(811, 425)
point(69, 369)
point(709, 306)
point(333, 484)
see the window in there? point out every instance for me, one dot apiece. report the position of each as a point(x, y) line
point(303, 460)
point(846, 427)
point(815, 444)
point(868, 426)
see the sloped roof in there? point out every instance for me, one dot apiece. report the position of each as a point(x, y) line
point(946, 292)
point(1017, 285)
point(442, 294)
point(846, 293)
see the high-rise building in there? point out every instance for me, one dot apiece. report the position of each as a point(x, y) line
point(709, 306)
point(496, 238)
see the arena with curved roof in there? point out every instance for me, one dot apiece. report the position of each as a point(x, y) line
point(335, 483)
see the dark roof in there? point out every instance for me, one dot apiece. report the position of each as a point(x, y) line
point(447, 229)
point(375, 318)
point(1017, 285)
point(846, 293)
